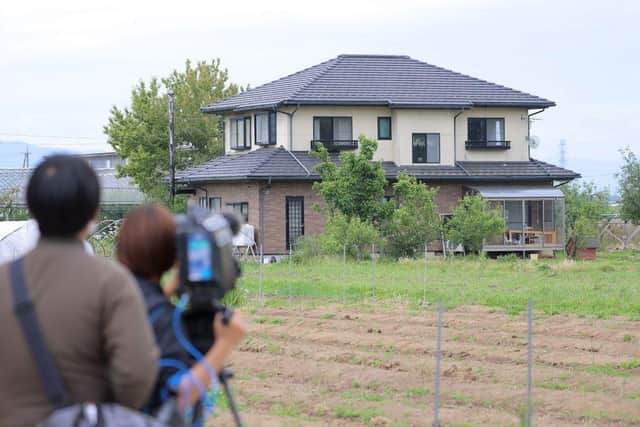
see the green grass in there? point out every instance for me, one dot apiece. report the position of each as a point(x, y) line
point(417, 392)
point(285, 411)
point(364, 414)
point(554, 386)
point(601, 288)
point(614, 370)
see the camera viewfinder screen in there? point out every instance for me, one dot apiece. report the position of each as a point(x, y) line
point(199, 258)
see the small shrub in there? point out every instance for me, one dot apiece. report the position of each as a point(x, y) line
point(307, 248)
point(357, 236)
point(473, 221)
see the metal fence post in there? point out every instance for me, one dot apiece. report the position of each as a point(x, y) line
point(260, 290)
point(344, 274)
point(529, 359)
point(424, 290)
point(290, 274)
point(436, 404)
point(373, 270)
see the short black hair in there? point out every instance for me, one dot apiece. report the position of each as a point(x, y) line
point(63, 195)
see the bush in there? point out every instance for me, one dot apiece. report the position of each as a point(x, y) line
point(415, 222)
point(356, 235)
point(473, 221)
point(306, 248)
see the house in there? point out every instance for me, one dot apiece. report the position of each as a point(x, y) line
point(451, 131)
point(117, 194)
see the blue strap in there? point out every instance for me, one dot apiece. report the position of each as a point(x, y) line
point(24, 311)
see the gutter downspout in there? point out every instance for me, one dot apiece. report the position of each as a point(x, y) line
point(261, 193)
point(529, 129)
point(455, 148)
point(290, 125)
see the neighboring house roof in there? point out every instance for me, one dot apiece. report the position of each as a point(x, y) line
point(382, 80)
point(279, 164)
point(114, 190)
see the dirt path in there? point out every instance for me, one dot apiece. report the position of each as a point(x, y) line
point(337, 366)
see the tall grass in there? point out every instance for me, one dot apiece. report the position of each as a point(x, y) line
point(605, 287)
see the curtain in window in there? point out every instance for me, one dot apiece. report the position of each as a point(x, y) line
point(240, 132)
point(342, 129)
point(419, 145)
point(262, 128)
point(433, 148)
point(234, 133)
point(495, 131)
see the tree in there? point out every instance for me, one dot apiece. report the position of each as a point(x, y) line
point(473, 221)
point(629, 182)
point(415, 222)
point(139, 133)
point(584, 206)
point(356, 186)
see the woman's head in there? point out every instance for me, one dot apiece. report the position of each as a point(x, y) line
point(147, 241)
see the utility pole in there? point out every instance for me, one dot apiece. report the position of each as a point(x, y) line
point(25, 160)
point(563, 152)
point(172, 149)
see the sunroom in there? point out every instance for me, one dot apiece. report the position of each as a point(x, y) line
point(534, 218)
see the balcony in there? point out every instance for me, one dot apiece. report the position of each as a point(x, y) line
point(487, 145)
point(333, 146)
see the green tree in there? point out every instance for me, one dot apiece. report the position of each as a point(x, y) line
point(351, 234)
point(415, 222)
point(473, 221)
point(629, 182)
point(139, 133)
point(356, 186)
point(584, 206)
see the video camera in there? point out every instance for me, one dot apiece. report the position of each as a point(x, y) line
point(208, 270)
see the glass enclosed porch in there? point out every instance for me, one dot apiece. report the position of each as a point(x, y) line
point(534, 218)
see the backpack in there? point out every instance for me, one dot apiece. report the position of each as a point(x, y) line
point(66, 413)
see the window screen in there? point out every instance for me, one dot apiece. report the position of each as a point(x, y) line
point(426, 147)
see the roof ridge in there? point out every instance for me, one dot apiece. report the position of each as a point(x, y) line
point(539, 165)
point(327, 68)
point(299, 162)
point(268, 157)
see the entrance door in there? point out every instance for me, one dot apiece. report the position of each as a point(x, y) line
point(295, 219)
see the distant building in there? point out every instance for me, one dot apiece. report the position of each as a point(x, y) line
point(118, 195)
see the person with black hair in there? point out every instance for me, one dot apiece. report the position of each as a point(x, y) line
point(90, 310)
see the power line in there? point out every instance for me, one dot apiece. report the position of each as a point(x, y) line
point(27, 135)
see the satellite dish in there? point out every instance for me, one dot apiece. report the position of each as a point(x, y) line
point(534, 141)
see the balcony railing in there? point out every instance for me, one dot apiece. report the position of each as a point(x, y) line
point(335, 145)
point(488, 145)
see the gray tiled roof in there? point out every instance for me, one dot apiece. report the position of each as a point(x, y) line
point(387, 80)
point(279, 164)
point(114, 190)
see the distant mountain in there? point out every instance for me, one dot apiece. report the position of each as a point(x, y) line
point(12, 153)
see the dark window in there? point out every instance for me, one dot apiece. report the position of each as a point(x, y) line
point(241, 208)
point(241, 133)
point(488, 131)
point(332, 129)
point(294, 219)
point(215, 203)
point(266, 128)
point(426, 148)
point(203, 202)
point(384, 127)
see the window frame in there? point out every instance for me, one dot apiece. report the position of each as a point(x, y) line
point(426, 148)
point(233, 205)
point(246, 132)
point(380, 138)
point(271, 128)
point(211, 199)
point(333, 139)
point(485, 140)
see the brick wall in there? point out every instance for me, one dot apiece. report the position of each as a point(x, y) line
point(447, 197)
point(274, 208)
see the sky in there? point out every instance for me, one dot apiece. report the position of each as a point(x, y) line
point(66, 63)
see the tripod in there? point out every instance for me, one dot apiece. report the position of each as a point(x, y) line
point(224, 376)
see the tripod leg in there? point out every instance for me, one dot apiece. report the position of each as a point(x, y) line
point(225, 375)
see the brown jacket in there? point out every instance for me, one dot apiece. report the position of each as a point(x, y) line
point(94, 322)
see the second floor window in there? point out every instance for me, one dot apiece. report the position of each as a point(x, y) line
point(266, 128)
point(488, 131)
point(330, 129)
point(426, 148)
point(241, 133)
point(384, 127)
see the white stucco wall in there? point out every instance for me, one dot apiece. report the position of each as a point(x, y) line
point(404, 123)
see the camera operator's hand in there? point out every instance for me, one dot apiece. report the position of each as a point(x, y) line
point(229, 336)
